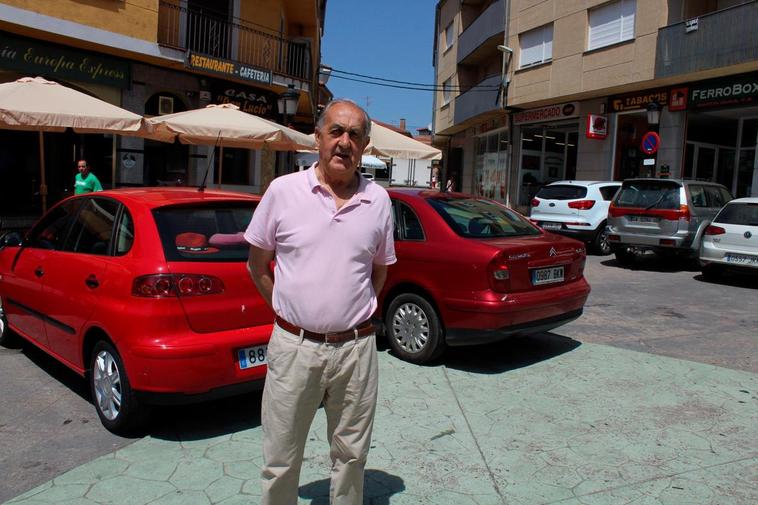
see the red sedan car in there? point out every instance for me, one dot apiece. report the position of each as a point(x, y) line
point(143, 291)
point(471, 271)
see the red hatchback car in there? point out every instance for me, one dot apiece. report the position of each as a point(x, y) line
point(143, 291)
point(472, 271)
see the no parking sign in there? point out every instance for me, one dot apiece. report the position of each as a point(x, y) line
point(650, 143)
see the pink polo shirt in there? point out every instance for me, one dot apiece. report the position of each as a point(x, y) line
point(323, 255)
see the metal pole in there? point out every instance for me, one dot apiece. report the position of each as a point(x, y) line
point(220, 164)
point(43, 184)
point(113, 164)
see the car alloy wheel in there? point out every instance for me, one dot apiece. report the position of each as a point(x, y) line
point(5, 332)
point(413, 329)
point(601, 244)
point(116, 404)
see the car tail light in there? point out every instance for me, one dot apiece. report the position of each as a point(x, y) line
point(667, 241)
point(714, 230)
point(172, 285)
point(535, 202)
point(683, 212)
point(582, 204)
point(614, 211)
point(499, 275)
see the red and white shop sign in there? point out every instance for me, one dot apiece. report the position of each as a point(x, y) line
point(597, 126)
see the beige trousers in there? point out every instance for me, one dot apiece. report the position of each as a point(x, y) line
point(302, 375)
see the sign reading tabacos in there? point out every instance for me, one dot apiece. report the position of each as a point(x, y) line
point(549, 113)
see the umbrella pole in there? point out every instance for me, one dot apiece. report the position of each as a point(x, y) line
point(113, 164)
point(220, 164)
point(42, 185)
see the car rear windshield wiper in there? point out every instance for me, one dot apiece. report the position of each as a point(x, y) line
point(659, 200)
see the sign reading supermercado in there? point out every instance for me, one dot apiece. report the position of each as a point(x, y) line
point(549, 113)
point(727, 92)
point(228, 68)
point(58, 62)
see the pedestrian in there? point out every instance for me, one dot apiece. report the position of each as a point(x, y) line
point(435, 177)
point(450, 186)
point(330, 233)
point(85, 181)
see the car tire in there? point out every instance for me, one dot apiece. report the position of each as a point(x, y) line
point(413, 329)
point(624, 256)
point(712, 272)
point(116, 403)
point(600, 243)
point(6, 334)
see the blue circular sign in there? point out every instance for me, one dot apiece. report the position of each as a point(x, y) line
point(650, 143)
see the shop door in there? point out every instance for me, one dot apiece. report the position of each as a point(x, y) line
point(747, 171)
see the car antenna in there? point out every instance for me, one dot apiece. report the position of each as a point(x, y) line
point(201, 188)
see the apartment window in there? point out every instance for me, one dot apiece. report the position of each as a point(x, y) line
point(612, 23)
point(447, 91)
point(449, 36)
point(536, 46)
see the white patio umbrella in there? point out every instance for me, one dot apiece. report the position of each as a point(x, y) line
point(386, 142)
point(37, 104)
point(225, 125)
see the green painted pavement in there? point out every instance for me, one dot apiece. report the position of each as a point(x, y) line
point(561, 423)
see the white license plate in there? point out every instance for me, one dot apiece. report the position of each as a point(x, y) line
point(643, 219)
point(551, 226)
point(547, 275)
point(251, 357)
point(741, 259)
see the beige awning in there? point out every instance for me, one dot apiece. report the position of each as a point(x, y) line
point(386, 142)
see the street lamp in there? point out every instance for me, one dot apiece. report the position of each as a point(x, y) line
point(324, 72)
point(653, 113)
point(503, 91)
point(287, 102)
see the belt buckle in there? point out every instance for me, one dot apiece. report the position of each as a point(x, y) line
point(333, 334)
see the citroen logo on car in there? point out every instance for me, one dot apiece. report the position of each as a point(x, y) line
point(552, 251)
point(748, 234)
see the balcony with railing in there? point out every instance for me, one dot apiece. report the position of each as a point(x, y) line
point(478, 100)
point(237, 40)
point(481, 37)
point(718, 39)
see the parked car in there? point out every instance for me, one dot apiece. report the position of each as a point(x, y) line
point(144, 292)
point(730, 242)
point(666, 216)
point(577, 209)
point(472, 271)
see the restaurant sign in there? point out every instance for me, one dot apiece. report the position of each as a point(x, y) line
point(227, 68)
point(738, 90)
point(256, 101)
point(58, 62)
point(639, 100)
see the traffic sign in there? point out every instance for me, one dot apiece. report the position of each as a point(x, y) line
point(650, 143)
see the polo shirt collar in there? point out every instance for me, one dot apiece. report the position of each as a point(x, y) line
point(360, 193)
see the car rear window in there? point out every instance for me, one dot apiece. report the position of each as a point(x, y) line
point(649, 195)
point(562, 192)
point(207, 232)
point(479, 218)
point(739, 213)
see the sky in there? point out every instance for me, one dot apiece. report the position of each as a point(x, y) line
point(391, 39)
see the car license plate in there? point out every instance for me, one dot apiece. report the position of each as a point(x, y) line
point(251, 357)
point(741, 259)
point(551, 226)
point(643, 219)
point(547, 275)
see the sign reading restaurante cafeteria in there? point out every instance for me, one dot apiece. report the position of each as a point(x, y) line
point(56, 62)
point(227, 68)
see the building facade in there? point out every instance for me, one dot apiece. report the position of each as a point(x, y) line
point(155, 57)
point(533, 92)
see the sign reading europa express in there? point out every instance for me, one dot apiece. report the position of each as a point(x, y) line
point(53, 61)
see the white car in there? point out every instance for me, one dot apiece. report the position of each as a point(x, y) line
point(731, 240)
point(577, 209)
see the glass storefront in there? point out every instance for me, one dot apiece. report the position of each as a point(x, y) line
point(491, 166)
point(548, 153)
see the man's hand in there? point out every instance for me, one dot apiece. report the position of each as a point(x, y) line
point(258, 266)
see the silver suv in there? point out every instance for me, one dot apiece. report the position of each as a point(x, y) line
point(666, 216)
point(577, 209)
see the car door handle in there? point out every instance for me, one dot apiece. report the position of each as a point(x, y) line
point(92, 281)
point(39, 272)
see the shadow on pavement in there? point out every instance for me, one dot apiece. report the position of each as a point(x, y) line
point(54, 368)
point(510, 354)
point(379, 487)
point(732, 279)
point(653, 263)
point(199, 421)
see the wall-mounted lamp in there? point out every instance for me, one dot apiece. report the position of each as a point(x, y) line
point(324, 72)
point(653, 113)
point(287, 102)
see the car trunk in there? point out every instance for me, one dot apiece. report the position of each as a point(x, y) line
point(650, 208)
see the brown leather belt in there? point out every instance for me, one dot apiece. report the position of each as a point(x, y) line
point(364, 329)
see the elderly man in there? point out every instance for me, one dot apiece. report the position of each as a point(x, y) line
point(85, 181)
point(330, 232)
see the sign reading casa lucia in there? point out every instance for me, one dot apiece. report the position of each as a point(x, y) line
point(56, 62)
point(228, 68)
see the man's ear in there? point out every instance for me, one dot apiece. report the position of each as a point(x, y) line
point(317, 137)
point(366, 142)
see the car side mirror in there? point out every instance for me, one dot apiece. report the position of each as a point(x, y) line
point(11, 239)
